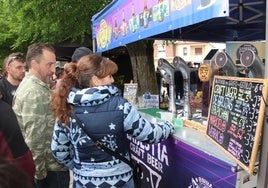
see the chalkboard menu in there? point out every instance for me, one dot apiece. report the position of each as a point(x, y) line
point(236, 115)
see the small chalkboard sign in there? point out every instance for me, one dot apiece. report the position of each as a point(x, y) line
point(130, 92)
point(236, 115)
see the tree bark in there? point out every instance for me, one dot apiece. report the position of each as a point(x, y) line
point(142, 61)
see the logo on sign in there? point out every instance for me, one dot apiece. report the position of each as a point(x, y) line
point(204, 72)
point(244, 48)
point(104, 34)
point(199, 182)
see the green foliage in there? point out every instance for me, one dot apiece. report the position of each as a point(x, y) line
point(167, 42)
point(27, 21)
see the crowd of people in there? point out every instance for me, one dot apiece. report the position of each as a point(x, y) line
point(41, 139)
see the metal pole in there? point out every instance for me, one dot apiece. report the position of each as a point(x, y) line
point(94, 44)
point(263, 172)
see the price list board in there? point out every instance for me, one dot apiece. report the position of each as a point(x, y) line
point(236, 115)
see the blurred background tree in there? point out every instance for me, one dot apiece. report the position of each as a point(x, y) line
point(24, 22)
point(27, 21)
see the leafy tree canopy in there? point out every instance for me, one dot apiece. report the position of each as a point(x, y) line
point(27, 21)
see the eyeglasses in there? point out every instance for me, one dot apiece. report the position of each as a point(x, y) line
point(16, 57)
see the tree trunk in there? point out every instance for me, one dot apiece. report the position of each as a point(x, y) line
point(142, 61)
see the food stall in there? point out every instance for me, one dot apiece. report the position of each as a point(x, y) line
point(193, 157)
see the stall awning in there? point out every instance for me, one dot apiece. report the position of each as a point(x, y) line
point(246, 22)
point(126, 21)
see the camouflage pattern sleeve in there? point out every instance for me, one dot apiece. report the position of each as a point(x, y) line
point(32, 108)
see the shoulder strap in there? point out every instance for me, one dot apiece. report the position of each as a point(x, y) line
point(100, 144)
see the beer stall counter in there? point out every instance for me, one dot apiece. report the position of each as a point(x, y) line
point(192, 157)
point(220, 152)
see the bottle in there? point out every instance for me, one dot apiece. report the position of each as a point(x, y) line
point(124, 24)
point(179, 99)
point(166, 101)
point(161, 10)
point(133, 20)
point(116, 33)
point(146, 15)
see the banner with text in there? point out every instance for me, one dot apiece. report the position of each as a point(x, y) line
point(123, 22)
point(174, 164)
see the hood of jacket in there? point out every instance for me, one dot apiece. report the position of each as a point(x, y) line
point(92, 96)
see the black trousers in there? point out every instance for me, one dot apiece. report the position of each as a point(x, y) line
point(54, 179)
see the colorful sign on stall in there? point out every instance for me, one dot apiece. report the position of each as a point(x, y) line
point(123, 22)
point(175, 164)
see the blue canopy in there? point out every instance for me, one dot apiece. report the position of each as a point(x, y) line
point(126, 21)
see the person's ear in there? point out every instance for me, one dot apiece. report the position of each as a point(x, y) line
point(34, 64)
point(7, 68)
point(95, 81)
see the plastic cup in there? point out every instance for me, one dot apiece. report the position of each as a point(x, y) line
point(178, 122)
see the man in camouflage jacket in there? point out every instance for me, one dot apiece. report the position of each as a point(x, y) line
point(32, 107)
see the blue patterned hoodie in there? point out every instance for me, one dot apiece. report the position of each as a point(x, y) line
point(108, 117)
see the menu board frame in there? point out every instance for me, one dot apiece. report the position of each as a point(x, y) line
point(227, 134)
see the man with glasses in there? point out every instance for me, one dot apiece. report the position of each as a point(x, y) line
point(15, 68)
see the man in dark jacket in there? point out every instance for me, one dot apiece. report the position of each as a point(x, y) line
point(13, 147)
point(15, 68)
